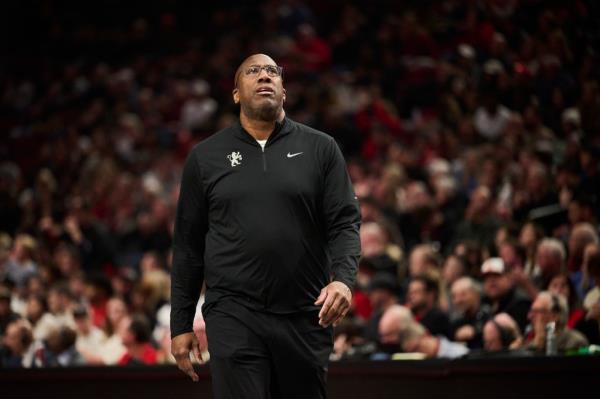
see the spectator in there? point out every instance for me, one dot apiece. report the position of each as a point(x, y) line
point(401, 332)
point(117, 319)
point(59, 349)
point(581, 236)
point(501, 333)
point(136, 339)
point(422, 298)
point(501, 294)
point(21, 265)
point(36, 308)
point(480, 224)
point(7, 316)
point(17, 345)
point(591, 303)
point(59, 314)
point(551, 258)
point(90, 338)
point(470, 316)
point(382, 293)
point(549, 308)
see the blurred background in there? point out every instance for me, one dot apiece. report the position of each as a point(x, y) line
point(471, 130)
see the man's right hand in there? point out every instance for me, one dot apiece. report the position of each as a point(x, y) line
point(181, 346)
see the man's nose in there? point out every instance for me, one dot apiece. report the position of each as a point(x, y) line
point(263, 76)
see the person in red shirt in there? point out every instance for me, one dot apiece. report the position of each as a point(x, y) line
point(136, 338)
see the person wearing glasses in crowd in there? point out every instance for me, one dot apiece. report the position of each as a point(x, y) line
point(267, 218)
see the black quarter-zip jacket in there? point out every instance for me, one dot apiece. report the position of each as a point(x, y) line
point(268, 228)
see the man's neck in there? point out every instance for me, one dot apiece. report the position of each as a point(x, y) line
point(260, 130)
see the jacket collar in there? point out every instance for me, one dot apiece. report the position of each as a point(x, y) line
point(281, 129)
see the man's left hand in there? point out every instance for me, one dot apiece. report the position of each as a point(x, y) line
point(336, 298)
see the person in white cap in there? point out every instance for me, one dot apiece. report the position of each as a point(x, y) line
point(501, 293)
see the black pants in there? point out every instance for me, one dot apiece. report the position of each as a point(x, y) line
point(256, 355)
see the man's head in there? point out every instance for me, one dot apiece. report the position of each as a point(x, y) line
point(581, 235)
point(398, 327)
point(550, 256)
point(373, 239)
point(116, 310)
point(454, 268)
point(18, 337)
point(258, 88)
point(513, 254)
point(547, 308)
point(500, 333)
point(496, 282)
point(137, 331)
point(382, 290)
point(59, 298)
point(466, 295)
point(83, 324)
point(422, 258)
point(422, 294)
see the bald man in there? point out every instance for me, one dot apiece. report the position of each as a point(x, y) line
point(268, 219)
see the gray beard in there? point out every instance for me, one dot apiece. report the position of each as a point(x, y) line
point(266, 113)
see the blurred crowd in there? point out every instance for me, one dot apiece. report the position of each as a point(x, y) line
point(472, 136)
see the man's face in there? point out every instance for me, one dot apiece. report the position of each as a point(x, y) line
point(540, 313)
point(463, 298)
point(416, 297)
point(260, 96)
point(496, 285)
point(416, 263)
point(12, 339)
point(559, 286)
point(545, 260)
point(509, 256)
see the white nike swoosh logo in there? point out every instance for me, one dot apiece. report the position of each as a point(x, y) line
point(293, 155)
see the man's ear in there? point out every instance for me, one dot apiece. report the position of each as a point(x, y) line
point(284, 92)
point(236, 96)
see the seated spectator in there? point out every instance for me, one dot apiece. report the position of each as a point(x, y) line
point(550, 257)
point(421, 299)
point(136, 339)
point(7, 316)
point(422, 259)
point(581, 236)
point(399, 331)
point(36, 309)
point(480, 224)
point(591, 324)
point(117, 319)
point(382, 293)
point(501, 333)
point(97, 292)
point(514, 256)
point(20, 265)
point(501, 294)
point(90, 338)
point(469, 316)
point(562, 285)
point(454, 267)
point(59, 349)
point(59, 314)
point(17, 345)
point(549, 308)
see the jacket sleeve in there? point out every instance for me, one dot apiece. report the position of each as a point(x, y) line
point(191, 224)
point(342, 216)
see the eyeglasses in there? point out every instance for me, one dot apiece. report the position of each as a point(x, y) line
point(272, 70)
